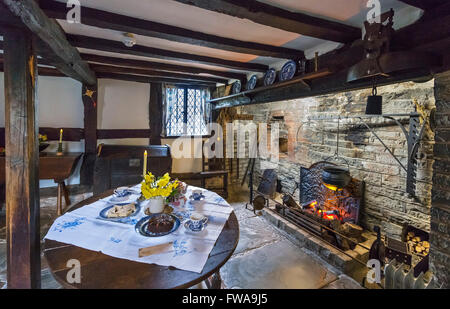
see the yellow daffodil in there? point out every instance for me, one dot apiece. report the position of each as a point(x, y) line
point(163, 186)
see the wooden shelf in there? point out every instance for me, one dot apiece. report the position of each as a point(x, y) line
point(298, 79)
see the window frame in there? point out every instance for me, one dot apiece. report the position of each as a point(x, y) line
point(185, 113)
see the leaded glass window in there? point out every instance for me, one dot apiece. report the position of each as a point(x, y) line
point(186, 111)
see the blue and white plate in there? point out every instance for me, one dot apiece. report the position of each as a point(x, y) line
point(236, 88)
point(270, 77)
point(190, 227)
point(141, 226)
point(251, 83)
point(288, 71)
point(104, 213)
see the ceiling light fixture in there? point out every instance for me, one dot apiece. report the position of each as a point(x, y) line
point(129, 40)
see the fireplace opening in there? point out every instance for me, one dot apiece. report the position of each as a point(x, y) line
point(283, 145)
point(327, 201)
point(330, 212)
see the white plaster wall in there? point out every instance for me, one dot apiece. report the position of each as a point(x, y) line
point(121, 105)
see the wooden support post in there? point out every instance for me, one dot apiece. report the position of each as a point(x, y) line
point(89, 97)
point(155, 113)
point(22, 178)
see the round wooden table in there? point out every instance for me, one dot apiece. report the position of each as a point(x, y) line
point(102, 271)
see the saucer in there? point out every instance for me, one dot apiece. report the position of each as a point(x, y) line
point(130, 198)
point(201, 197)
point(121, 192)
point(188, 226)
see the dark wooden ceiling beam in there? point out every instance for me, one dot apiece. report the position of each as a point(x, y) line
point(145, 51)
point(42, 71)
point(53, 43)
point(275, 17)
point(151, 65)
point(101, 68)
point(425, 4)
point(107, 20)
point(146, 79)
point(425, 31)
point(157, 66)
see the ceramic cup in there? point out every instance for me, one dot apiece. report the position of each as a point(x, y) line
point(121, 191)
point(197, 195)
point(197, 221)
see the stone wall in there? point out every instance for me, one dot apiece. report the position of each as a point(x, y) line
point(386, 202)
point(440, 211)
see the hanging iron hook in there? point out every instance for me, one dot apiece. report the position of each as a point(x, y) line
point(374, 86)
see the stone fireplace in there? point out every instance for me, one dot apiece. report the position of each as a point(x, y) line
point(383, 198)
point(386, 202)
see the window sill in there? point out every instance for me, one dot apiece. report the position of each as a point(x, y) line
point(186, 136)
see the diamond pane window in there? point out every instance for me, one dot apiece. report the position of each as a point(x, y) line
point(186, 111)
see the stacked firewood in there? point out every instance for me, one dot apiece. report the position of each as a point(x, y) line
point(417, 245)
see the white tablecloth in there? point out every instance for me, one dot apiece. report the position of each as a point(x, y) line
point(84, 228)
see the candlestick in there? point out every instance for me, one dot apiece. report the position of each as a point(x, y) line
point(60, 135)
point(144, 171)
point(59, 152)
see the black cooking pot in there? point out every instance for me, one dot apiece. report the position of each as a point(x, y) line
point(336, 176)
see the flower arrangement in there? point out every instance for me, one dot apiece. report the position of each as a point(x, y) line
point(164, 186)
point(42, 138)
point(178, 192)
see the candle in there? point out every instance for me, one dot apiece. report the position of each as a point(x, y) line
point(144, 171)
point(60, 135)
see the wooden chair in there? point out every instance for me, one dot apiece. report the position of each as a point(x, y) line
point(212, 168)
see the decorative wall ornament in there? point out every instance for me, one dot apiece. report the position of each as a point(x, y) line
point(378, 59)
point(90, 93)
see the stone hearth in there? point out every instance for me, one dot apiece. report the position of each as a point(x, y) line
point(323, 249)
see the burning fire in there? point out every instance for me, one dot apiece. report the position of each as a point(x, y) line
point(328, 215)
point(331, 187)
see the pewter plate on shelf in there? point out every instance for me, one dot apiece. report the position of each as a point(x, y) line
point(288, 71)
point(270, 77)
point(141, 226)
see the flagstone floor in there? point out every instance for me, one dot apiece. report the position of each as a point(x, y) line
point(264, 258)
